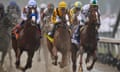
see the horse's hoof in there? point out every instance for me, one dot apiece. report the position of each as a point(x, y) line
point(29, 66)
point(23, 69)
point(61, 65)
point(89, 68)
point(17, 64)
point(86, 61)
point(52, 57)
point(54, 63)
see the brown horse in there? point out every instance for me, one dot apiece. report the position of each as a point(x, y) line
point(29, 41)
point(61, 43)
point(88, 41)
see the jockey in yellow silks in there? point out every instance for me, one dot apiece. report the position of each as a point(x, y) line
point(74, 11)
point(58, 13)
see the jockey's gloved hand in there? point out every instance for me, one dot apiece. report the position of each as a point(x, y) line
point(39, 30)
point(99, 25)
point(38, 25)
point(58, 20)
point(82, 20)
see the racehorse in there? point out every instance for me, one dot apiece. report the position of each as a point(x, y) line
point(88, 41)
point(61, 43)
point(28, 40)
point(5, 25)
point(47, 26)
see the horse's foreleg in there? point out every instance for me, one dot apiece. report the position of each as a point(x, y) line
point(39, 59)
point(74, 59)
point(50, 48)
point(93, 60)
point(29, 60)
point(81, 56)
point(18, 55)
point(63, 63)
point(54, 51)
point(51, 53)
point(3, 57)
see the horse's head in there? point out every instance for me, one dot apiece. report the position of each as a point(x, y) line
point(64, 21)
point(93, 14)
point(32, 16)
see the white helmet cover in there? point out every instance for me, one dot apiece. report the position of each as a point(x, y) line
point(32, 3)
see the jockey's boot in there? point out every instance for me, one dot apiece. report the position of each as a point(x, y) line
point(19, 27)
point(51, 34)
point(97, 36)
point(77, 33)
point(39, 29)
point(15, 31)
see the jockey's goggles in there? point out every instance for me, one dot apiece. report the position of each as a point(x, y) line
point(62, 9)
point(11, 7)
point(78, 9)
point(94, 7)
point(32, 6)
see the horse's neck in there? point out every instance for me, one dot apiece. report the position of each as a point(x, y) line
point(63, 31)
point(29, 29)
point(61, 34)
point(91, 27)
point(90, 30)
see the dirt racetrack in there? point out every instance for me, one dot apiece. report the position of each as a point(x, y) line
point(44, 65)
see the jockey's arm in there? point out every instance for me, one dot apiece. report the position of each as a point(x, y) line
point(70, 13)
point(68, 17)
point(99, 20)
point(18, 11)
point(44, 14)
point(24, 14)
point(53, 17)
point(39, 19)
point(71, 16)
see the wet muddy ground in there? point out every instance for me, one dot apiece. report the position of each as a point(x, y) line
point(44, 65)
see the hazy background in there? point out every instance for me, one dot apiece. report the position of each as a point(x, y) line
point(106, 6)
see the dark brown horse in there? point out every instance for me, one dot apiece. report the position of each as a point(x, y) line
point(29, 41)
point(61, 43)
point(88, 41)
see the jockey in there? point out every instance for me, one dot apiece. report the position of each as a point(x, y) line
point(47, 11)
point(75, 10)
point(42, 7)
point(13, 8)
point(14, 12)
point(31, 4)
point(85, 11)
point(57, 16)
point(4, 20)
point(83, 17)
